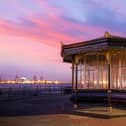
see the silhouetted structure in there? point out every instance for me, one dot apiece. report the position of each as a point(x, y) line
point(17, 78)
point(34, 78)
point(0, 78)
point(41, 78)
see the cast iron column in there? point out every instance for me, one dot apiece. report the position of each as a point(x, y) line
point(76, 86)
point(73, 75)
point(109, 81)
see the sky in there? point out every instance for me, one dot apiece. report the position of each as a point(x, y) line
point(31, 32)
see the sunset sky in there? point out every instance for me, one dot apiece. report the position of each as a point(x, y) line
point(31, 32)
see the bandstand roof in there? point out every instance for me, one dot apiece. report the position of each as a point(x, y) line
point(99, 44)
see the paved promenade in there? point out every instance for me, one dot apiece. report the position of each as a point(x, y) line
point(54, 110)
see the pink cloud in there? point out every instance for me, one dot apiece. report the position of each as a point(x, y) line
point(47, 28)
point(50, 9)
point(45, 32)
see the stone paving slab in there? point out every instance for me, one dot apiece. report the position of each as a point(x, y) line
point(101, 112)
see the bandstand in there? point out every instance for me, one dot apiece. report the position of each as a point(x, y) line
point(98, 65)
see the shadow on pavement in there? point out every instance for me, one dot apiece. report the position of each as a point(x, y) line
point(35, 105)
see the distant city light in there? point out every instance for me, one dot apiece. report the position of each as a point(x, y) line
point(24, 80)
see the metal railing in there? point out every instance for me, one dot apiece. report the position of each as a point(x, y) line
point(10, 90)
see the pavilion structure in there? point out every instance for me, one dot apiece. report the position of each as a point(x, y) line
point(97, 64)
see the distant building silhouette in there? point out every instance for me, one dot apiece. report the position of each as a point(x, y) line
point(41, 78)
point(0, 79)
point(34, 78)
point(17, 78)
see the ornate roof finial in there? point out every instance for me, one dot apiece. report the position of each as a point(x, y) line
point(106, 34)
point(61, 42)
